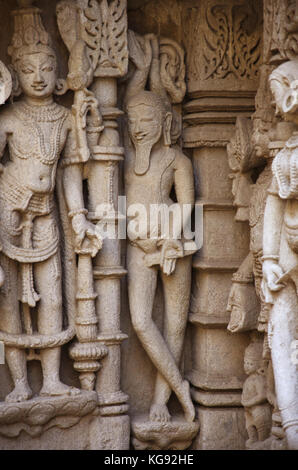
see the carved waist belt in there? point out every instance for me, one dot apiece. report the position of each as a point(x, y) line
point(20, 198)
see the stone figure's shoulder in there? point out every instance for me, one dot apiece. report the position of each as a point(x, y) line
point(181, 160)
point(67, 114)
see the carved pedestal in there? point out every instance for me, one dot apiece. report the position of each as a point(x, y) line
point(174, 435)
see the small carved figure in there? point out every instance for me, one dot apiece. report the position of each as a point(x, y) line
point(254, 395)
point(243, 302)
point(37, 131)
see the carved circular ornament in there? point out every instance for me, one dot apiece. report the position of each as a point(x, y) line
point(5, 83)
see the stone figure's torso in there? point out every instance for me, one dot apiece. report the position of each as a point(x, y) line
point(35, 144)
point(155, 185)
point(253, 386)
point(36, 136)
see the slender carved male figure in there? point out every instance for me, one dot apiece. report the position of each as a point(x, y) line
point(151, 172)
point(36, 131)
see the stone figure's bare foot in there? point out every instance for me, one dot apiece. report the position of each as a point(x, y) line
point(159, 413)
point(56, 389)
point(21, 392)
point(189, 410)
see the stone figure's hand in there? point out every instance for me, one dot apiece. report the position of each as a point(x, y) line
point(88, 239)
point(89, 105)
point(272, 272)
point(171, 250)
point(154, 44)
point(141, 57)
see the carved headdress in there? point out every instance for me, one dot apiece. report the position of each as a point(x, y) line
point(29, 35)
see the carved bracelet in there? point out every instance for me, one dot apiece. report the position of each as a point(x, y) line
point(75, 212)
point(273, 257)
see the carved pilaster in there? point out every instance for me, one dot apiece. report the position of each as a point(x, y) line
point(222, 83)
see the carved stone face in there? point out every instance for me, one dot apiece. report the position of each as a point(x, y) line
point(250, 365)
point(144, 124)
point(37, 75)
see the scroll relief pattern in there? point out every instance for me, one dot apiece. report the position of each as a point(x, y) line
point(229, 41)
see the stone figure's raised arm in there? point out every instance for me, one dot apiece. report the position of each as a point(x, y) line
point(156, 85)
point(141, 56)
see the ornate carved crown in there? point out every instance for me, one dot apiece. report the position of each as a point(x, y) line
point(30, 35)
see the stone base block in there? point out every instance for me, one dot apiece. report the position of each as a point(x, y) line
point(174, 435)
point(61, 423)
point(220, 429)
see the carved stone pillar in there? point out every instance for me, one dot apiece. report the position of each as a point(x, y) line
point(107, 269)
point(222, 84)
point(103, 186)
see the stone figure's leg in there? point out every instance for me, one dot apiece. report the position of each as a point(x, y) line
point(262, 419)
point(141, 292)
point(250, 428)
point(47, 276)
point(10, 322)
point(284, 320)
point(176, 294)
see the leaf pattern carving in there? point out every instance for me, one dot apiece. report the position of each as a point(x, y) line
point(232, 41)
point(113, 52)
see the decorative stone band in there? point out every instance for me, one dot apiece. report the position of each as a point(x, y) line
point(207, 143)
point(290, 423)
point(100, 153)
point(109, 339)
point(270, 257)
point(37, 341)
point(111, 272)
point(242, 279)
point(29, 255)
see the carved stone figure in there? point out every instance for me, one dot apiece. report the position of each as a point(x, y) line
point(243, 302)
point(153, 168)
point(254, 395)
point(43, 156)
point(280, 255)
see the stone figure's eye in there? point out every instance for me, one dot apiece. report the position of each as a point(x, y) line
point(27, 70)
point(48, 68)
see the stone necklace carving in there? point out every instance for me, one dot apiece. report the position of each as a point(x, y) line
point(30, 117)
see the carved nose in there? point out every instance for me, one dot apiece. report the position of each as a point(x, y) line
point(38, 78)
